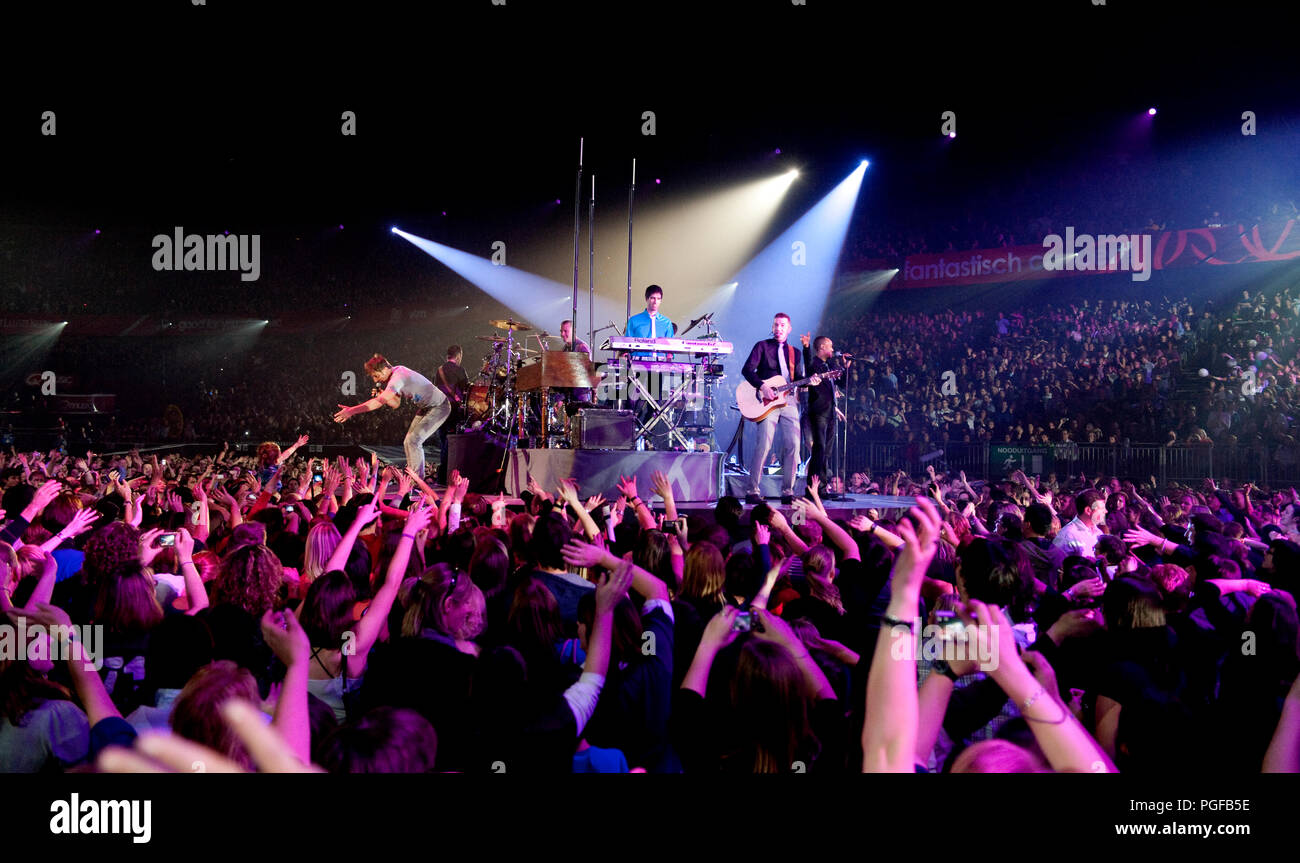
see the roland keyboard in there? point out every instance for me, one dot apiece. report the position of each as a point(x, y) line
point(671, 346)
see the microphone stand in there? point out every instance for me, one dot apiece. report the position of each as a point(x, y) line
point(591, 271)
point(577, 220)
point(631, 197)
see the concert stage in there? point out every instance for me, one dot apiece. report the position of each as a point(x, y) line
point(695, 476)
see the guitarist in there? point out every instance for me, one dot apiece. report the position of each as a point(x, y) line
point(454, 383)
point(818, 355)
point(775, 357)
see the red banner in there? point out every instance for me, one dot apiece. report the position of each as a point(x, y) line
point(1069, 254)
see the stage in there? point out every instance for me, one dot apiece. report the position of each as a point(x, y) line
point(695, 477)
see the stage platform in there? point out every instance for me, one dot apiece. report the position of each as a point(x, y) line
point(694, 476)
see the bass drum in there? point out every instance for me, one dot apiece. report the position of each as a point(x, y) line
point(478, 404)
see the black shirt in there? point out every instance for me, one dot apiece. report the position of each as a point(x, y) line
point(452, 380)
point(821, 398)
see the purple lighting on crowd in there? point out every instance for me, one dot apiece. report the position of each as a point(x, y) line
point(1151, 112)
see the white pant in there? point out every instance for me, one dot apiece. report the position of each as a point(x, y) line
point(422, 428)
point(788, 418)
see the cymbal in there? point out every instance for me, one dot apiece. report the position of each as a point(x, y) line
point(510, 324)
point(497, 339)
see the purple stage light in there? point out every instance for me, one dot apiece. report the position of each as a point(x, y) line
point(444, 212)
point(1151, 112)
point(778, 151)
point(97, 232)
point(340, 227)
point(952, 134)
point(657, 181)
point(557, 200)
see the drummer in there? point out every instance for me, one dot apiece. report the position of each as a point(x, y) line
point(576, 395)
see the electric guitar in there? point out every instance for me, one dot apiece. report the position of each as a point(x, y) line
point(755, 409)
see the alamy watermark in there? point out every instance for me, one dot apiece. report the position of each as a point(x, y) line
point(36, 641)
point(951, 644)
point(181, 251)
point(1086, 253)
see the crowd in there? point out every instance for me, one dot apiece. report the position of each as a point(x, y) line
point(270, 612)
point(1089, 372)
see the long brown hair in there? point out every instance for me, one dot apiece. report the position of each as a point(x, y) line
point(770, 702)
point(127, 603)
point(819, 566)
point(196, 716)
point(705, 574)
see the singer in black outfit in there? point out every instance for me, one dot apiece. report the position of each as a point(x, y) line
point(819, 358)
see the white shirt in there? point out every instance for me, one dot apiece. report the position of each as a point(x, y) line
point(1075, 538)
point(414, 387)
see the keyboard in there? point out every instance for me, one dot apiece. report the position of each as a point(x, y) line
point(672, 346)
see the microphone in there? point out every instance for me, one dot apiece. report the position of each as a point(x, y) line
point(844, 355)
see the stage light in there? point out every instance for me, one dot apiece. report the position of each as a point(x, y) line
point(792, 274)
point(777, 151)
point(97, 232)
point(515, 289)
point(952, 134)
point(1151, 112)
point(393, 229)
point(340, 227)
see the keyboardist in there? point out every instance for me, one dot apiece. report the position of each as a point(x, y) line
point(650, 324)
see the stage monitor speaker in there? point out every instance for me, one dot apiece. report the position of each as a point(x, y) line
point(479, 457)
point(605, 428)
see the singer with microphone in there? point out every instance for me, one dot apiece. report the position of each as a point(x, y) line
point(820, 358)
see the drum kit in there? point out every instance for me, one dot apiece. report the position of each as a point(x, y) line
point(525, 391)
point(512, 393)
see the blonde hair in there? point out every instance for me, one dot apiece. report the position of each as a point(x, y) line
point(322, 539)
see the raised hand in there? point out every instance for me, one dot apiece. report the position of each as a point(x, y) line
point(611, 589)
point(148, 551)
point(80, 523)
point(584, 555)
point(627, 487)
point(285, 636)
point(659, 485)
point(594, 502)
point(568, 492)
point(368, 512)
point(762, 534)
point(419, 518)
point(184, 544)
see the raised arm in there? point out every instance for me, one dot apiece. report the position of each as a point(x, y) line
point(1068, 747)
point(339, 559)
point(196, 592)
point(627, 487)
point(890, 734)
point(370, 625)
point(831, 530)
point(660, 485)
point(568, 492)
point(286, 638)
point(586, 555)
point(288, 454)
